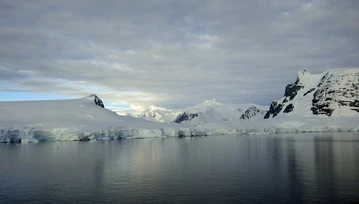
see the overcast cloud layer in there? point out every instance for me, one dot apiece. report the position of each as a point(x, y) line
point(172, 53)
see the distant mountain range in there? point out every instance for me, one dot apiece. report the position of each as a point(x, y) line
point(333, 93)
point(208, 111)
point(327, 102)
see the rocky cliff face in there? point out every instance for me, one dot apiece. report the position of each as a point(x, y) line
point(291, 91)
point(334, 91)
point(97, 100)
point(251, 112)
point(274, 109)
point(185, 117)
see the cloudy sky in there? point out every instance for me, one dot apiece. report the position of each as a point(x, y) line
point(169, 53)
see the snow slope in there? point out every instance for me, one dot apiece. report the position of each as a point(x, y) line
point(76, 119)
point(159, 114)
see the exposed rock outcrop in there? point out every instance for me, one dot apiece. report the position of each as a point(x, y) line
point(289, 108)
point(97, 100)
point(252, 112)
point(292, 89)
point(274, 110)
point(309, 91)
point(334, 91)
point(185, 117)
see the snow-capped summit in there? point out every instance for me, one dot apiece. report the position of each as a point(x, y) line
point(332, 93)
point(212, 111)
point(208, 111)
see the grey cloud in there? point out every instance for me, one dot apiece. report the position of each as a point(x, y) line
point(173, 53)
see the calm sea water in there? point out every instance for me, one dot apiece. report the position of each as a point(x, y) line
point(296, 168)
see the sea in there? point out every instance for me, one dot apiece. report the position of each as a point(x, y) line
point(283, 168)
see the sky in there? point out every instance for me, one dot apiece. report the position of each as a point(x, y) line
point(169, 53)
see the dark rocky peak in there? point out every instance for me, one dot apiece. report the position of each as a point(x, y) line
point(292, 89)
point(274, 110)
point(185, 117)
point(251, 112)
point(328, 92)
point(290, 92)
point(97, 100)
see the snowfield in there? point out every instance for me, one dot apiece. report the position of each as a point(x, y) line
point(76, 119)
point(327, 102)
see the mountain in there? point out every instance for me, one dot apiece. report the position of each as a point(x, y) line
point(75, 119)
point(159, 114)
point(333, 93)
point(252, 112)
point(213, 111)
point(327, 102)
point(313, 103)
point(206, 112)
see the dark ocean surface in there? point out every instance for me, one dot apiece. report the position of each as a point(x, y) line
point(296, 168)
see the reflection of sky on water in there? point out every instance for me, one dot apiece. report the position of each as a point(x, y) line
point(273, 168)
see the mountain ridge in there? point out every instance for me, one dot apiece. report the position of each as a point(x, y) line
point(334, 92)
point(325, 102)
point(207, 111)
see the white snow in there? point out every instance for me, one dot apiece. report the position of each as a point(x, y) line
point(335, 80)
point(82, 119)
point(75, 119)
point(159, 114)
point(208, 111)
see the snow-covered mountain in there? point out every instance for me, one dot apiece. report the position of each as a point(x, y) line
point(305, 107)
point(333, 93)
point(206, 112)
point(75, 119)
point(159, 114)
point(313, 103)
point(213, 111)
point(252, 112)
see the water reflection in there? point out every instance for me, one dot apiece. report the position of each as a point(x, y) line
point(99, 166)
point(324, 167)
point(294, 171)
point(233, 169)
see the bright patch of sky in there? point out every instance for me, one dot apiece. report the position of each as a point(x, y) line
point(114, 106)
point(28, 96)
